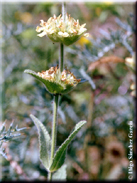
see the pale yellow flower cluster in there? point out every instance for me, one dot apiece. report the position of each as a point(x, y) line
point(50, 74)
point(54, 75)
point(66, 30)
point(68, 78)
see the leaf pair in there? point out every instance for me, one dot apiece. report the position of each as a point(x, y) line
point(45, 146)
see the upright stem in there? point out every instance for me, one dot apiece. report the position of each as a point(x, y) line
point(56, 98)
point(61, 57)
point(54, 131)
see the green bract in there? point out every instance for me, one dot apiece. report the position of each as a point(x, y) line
point(65, 30)
point(55, 81)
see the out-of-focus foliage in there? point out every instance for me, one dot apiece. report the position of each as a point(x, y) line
point(104, 101)
point(103, 10)
point(7, 135)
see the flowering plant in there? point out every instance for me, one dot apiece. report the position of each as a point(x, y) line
point(65, 30)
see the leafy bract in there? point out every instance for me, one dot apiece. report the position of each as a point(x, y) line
point(52, 87)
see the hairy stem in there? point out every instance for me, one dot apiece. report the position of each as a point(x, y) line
point(61, 58)
point(61, 50)
point(56, 98)
point(54, 131)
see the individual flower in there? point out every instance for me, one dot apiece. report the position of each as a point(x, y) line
point(83, 41)
point(66, 31)
point(56, 82)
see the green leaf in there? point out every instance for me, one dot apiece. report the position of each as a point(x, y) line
point(44, 142)
point(59, 157)
point(60, 174)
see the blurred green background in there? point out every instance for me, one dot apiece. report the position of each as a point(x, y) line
point(105, 100)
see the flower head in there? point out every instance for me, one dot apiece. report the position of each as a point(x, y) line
point(56, 82)
point(65, 31)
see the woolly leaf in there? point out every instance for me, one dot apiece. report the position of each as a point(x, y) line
point(60, 174)
point(44, 142)
point(59, 157)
